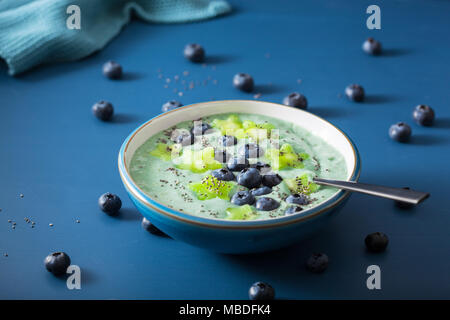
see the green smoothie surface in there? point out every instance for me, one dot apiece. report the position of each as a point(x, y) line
point(179, 176)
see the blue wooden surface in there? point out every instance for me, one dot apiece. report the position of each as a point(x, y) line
point(55, 153)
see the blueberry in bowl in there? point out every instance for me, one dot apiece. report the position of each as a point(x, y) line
point(223, 174)
point(261, 191)
point(249, 178)
point(238, 164)
point(241, 198)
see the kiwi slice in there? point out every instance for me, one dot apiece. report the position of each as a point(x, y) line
point(210, 187)
point(197, 161)
point(244, 212)
point(301, 184)
point(228, 126)
point(166, 152)
point(285, 157)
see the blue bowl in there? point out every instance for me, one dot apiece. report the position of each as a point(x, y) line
point(238, 236)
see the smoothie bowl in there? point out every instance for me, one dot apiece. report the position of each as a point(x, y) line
point(237, 176)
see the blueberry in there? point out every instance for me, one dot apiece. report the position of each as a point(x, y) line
point(223, 174)
point(271, 179)
point(372, 46)
point(261, 291)
point(249, 177)
point(103, 110)
point(112, 70)
point(297, 100)
point(57, 263)
point(237, 164)
point(243, 82)
point(423, 115)
point(185, 139)
point(355, 92)
point(242, 197)
point(400, 132)
point(404, 205)
point(194, 52)
point(293, 209)
point(109, 203)
point(261, 166)
point(222, 156)
point(376, 242)
point(251, 150)
point(266, 204)
point(317, 262)
point(200, 128)
point(150, 227)
point(297, 198)
point(228, 141)
point(261, 191)
point(170, 105)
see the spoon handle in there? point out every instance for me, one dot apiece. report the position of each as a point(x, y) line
point(400, 194)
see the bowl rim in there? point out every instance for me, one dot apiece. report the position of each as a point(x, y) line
point(135, 192)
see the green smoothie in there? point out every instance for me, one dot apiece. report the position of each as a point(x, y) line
point(175, 167)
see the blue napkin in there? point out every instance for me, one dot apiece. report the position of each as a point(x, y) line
point(35, 32)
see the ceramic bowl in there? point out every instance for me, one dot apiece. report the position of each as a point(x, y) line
point(227, 236)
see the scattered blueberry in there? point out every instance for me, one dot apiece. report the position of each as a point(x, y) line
point(261, 291)
point(317, 262)
point(200, 128)
point(261, 191)
point(241, 198)
point(57, 263)
point(400, 132)
point(293, 209)
point(112, 70)
point(103, 110)
point(261, 166)
point(109, 203)
point(271, 179)
point(297, 100)
point(223, 174)
point(194, 52)
point(251, 150)
point(266, 204)
point(424, 115)
point(355, 92)
point(170, 105)
point(372, 46)
point(376, 242)
point(244, 82)
point(404, 205)
point(150, 227)
point(222, 156)
point(228, 141)
point(297, 198)
point(237, 164)
point(185, 139)
point(249, 177)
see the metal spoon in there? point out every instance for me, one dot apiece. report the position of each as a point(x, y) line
point(400, 194)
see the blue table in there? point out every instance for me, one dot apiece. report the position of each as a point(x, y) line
point(61, 158)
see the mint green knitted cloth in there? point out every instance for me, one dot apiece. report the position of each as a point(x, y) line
point(34, 32)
